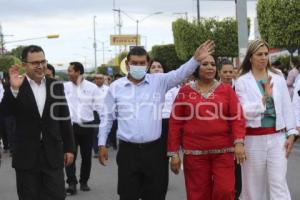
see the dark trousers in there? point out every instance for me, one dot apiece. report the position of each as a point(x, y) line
point(84, 139)
point(95, 140)
point(41, 183)
point(112, 137)
point(238, 181)
point(4, 134)
point(10, 127)
point(140, 171)
point(164, 138)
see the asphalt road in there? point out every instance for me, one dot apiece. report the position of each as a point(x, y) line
point(103, 180)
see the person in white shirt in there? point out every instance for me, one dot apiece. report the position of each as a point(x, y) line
point(271, 126)
point(157, 66)
point(99, 81)
point(292, 75)
point(296, 104)
point(136, 101)
point(44, 141)
point(83, 98)
point(227, 75)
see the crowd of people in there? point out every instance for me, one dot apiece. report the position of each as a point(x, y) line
point(231, 128)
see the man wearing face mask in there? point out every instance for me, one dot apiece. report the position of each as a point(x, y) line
point(136, 101)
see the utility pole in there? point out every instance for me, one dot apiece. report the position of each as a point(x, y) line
point(119, 25)
point(186, 16)
point(241, 15)
point(137, 32)
point(114, 7)
point(115, 26)
point(198, 11)
point(95, 45)
point(103, 54)
point(1, 40)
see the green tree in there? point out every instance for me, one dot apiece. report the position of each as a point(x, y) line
point(17, 52)
point(188, 36)
point(279, 23)
point(263, 10)
point(167, 54)
point(226, 38)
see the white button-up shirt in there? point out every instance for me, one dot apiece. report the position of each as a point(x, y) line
point(169, 100)
point(82, 100)
point(103, 91)
point(39, 92)
point(138, 108)
point(1, 91)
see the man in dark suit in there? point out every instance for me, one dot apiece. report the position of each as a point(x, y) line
point(44, 138)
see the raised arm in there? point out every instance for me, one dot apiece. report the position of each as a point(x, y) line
point(177, 76)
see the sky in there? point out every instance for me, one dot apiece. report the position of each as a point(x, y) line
point(73, 21)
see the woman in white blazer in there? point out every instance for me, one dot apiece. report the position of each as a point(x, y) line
point(270, 125)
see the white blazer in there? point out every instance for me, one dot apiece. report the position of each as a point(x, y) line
point(251, 100)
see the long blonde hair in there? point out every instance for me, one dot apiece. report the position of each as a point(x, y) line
point(253, 46)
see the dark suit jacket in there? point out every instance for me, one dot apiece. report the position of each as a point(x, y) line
point(57, 135)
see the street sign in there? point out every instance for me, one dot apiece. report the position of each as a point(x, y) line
point(110, 71)
point(119, 40)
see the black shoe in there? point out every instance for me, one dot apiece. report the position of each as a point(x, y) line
point(84, 187)
point(71, 189)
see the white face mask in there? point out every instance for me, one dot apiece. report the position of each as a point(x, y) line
point(137, 71)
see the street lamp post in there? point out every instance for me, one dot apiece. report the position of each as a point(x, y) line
point(198, 11)
point(95, 44)
point(53, 36)
point(2, 42)
point(137, 21)
point(103, 50)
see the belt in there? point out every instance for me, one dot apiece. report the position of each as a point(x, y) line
point(84, 124)
point(211, 151)
point(140, 145)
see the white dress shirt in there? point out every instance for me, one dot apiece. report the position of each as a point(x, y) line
point(103, 91)
point(169, 100)
point(82, 100)
point(39, 92)
point(1, 91)
point(138, 108)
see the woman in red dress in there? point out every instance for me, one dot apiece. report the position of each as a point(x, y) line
point(207, 123)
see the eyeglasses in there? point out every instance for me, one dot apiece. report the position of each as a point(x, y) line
point(37, 63)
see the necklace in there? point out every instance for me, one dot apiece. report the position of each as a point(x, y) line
point(207, 92)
